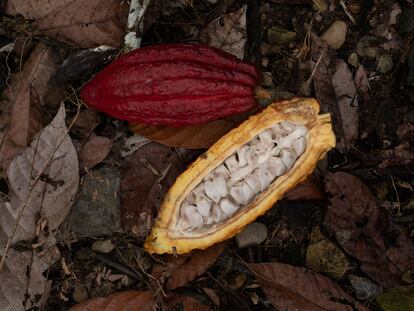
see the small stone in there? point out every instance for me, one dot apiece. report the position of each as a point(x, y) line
point(335, 35)
point(279, 36)
point(368, 47)
point(364, 288)
point(267, 79)
point(353, 59)
point(96, 211)
point(385, 63)
point(80, 293)
point(103, 246)
point(265, 62)
point(252, 235)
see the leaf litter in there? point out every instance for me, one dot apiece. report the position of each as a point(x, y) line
point(130, 174)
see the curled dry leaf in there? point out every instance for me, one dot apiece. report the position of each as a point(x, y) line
point(192, 137)
point(94, 151)
point(336, 91)
point(43, 181)
point(125, 301)
point(292, 288)
point(185, 268)
point(227, 32)
point(365, 231)
point(84, 23)
point(151, 171)
point(310, 189)
point(24, 98)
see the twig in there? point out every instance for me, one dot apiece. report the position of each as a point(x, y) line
point(351, 18)
point(135, 24)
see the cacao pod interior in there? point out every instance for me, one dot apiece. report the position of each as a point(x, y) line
point(241, 176)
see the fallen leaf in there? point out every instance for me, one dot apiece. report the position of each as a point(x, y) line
point(310, 189)
point(192, 137)
point(365, 231)
point(336, 91)
point(94, 151)
point(397, 299)
point(227, 32)
point(186, 303)
point(151, 171)
point(292, 288)
point(125, 301)
point(85, 123)
point(25, 99)
point(185, 268)
point(43, 181)
point(84, 23)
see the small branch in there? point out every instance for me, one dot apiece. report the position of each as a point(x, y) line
point(351, 18)
point(135, 24)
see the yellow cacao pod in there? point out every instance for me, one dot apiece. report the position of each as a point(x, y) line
point(242, 176)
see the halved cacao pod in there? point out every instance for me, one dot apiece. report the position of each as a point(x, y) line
point(242, 176)
point(173, 84)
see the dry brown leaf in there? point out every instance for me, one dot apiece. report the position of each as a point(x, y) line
point(84, 23)
point(227, 32)
point(192, 137)
point(310, 189)
point(292, 288)
point(43, 181)
point(365, 230)
point(336, 91)
point(186, 303)
point(185, 268)
point(94, 151)
point(125, 301)
point(151, 171)
point(25, 97)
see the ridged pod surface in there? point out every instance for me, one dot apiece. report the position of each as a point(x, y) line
point(179, 228)
point(173, 84)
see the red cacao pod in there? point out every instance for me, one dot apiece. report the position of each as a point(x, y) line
point(173, 84)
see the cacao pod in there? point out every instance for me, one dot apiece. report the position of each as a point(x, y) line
point(173, 84)
point(241, 176)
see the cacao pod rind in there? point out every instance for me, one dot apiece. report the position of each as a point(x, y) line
point(165, 238)
point(176, 84)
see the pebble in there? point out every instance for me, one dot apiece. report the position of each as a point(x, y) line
point(252, 235)
point(80, 293)
point(267, 79)
point(103, 246)
point(368, 47)
point(353, 59)
point(364, 288)
point(279, 36)
point(335, 35)
point(385, 63)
